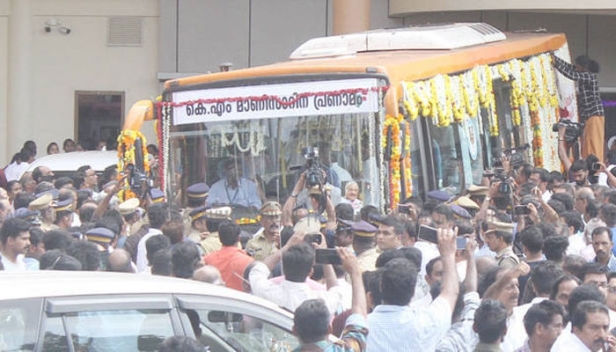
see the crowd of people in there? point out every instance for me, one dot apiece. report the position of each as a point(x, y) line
point(21, 160)
point(524, 262)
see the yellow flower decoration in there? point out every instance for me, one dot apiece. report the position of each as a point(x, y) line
point(126, 157)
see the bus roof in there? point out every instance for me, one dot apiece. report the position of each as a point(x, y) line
point(398, 65)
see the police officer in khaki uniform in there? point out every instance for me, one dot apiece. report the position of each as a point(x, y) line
point(363, 245)
point(213, 218)
point(42, 204)
point(499, 237)
point(477, 193)
point(267, 240)
point(196, 195)
point(128, 209)
point(198, 224)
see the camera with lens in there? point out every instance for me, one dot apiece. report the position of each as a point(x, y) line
point(137, 179)
point(499, 175)
point(314, 173)
point(312, 168)
point(573, 130)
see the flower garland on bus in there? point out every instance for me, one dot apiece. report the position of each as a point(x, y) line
point(391, 132)
point(126, 157)
point(255, 140)
point(534, 98)
point(407, 166)
point(552, 111)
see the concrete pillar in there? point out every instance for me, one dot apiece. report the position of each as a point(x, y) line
point(351, 16)
point(19, 78)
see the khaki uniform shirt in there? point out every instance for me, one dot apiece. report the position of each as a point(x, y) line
point(187, 222)
point(367, 259)
point(48, 227)
point(259, 247)
point(506, 258)
point(137, 226)
point(211, 243)
point(194, 235)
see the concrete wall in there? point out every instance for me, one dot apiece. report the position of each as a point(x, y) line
point(243, 32)
point(61, 64)
point(4, 56)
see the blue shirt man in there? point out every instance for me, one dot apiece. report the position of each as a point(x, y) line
point(233, 190)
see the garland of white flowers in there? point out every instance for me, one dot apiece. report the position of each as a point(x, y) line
point(166, 129)
point(383, 170)
point(255, 141)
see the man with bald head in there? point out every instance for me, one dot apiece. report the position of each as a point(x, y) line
point(208, 274)
point(583, 199)
point(119, 261)
point(42, 173)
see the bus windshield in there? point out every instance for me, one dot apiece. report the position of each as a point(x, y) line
point(247, 162)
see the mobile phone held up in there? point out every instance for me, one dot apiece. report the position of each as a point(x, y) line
point(427, 233)
point(461, 243)
point(313, 238)
point(596, 166)
point(521, 210)
point(327, 256)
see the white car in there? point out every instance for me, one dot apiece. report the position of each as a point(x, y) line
point(64, 164)
point(99, 311)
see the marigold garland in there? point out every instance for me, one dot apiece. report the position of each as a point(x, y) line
point(248, 221)
point(392, 123)
point(126, 157)
point(407, 166)
point(454, 98)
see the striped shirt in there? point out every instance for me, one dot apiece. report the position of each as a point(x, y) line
point(589, 100)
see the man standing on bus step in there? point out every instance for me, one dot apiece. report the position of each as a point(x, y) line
point(590, 107)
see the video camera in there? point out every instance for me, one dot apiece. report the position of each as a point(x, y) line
point(312, 167)
point(314, 172)
point(137, 179)
point(499, 175)
point(573, 130)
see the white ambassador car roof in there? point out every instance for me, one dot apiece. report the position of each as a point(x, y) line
point(98, 160)
point(50, 284)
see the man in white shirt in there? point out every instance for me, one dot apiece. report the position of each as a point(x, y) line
point(543, 323)
point(393, 325)
point(566, 341)
point(541, 281)
point(297, 260)
point(590, 329)
point(574, 222)
point(19, 165)
point(15, 240)
point(541, 177)
point(157, 216)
